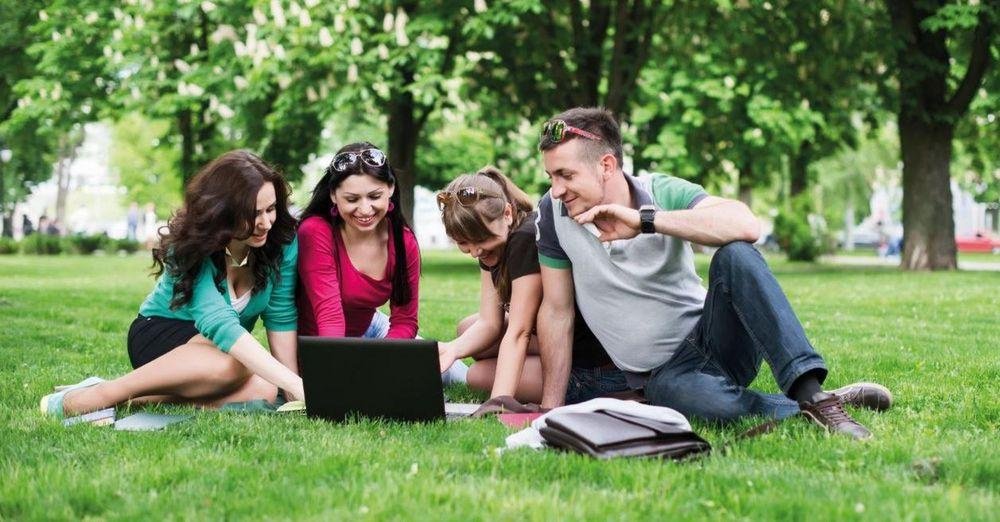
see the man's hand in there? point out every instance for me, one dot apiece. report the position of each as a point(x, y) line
point(446, 356)
point(613, 221)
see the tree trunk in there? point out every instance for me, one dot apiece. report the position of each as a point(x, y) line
point(8, 216)
point(403, 133)
point(928, 221)
point(186, 127)
point(67, 155)
point(799, 169)
point(746, 185)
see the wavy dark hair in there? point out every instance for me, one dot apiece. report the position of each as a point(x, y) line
point(463, 223)
point(321, 203)
point(220, 204)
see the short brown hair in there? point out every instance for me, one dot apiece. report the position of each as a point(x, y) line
point(597, 120)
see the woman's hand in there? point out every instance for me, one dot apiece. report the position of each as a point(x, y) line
point(446, 356)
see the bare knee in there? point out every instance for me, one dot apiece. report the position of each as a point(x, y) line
point(464, 324)
point(226, 374)
point(481, 375)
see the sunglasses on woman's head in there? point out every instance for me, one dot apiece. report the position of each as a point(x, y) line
point(556, 131)
point(466, 197)
point(345, 160)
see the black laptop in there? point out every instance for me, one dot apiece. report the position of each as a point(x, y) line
point(397, 379)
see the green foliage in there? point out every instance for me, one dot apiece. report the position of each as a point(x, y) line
point(87, 244)
point(798, 232)
point(453, 150)
point(128, 246)
point(42, 244)
point(8, 246)
point(145, 164)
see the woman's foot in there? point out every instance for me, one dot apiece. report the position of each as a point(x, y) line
point(53, 404)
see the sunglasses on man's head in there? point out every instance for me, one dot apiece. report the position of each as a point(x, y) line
point(556, 131)
point(466, 197)
point(345, 160)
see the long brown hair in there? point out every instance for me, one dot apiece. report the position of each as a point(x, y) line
point(470, 224)
point(220, 204)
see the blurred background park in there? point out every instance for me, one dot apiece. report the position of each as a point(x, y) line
point(845, 124)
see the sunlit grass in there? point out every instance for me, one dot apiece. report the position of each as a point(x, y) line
point(932, 338)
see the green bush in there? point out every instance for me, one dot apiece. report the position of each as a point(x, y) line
point(8, 246)
point(129, 246)
point(800, 234)
point(88, 244)
point(42, 244)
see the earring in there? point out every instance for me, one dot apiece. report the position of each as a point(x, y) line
point(392, 206)
point(333, 212)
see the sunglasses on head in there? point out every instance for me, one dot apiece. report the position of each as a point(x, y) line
point(466, 197)
point(556, 131)
point(345, 160)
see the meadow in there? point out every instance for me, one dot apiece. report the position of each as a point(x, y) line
point(933, 338)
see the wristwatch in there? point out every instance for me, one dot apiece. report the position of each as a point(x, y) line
point(646, 215)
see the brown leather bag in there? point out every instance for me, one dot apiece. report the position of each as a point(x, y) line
point(607, 434)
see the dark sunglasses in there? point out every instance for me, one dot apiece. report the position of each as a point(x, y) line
point(345, 160)
point(556, 131)
point(466, 197)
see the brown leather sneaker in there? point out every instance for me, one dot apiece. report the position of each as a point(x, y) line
point(827, 410)
point(865, 395)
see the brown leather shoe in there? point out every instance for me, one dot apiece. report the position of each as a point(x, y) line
point(827, 410)
point(865, 395)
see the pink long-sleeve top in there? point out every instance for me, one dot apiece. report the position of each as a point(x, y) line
point(335, 299)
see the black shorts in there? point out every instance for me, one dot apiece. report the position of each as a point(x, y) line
point(151, 337)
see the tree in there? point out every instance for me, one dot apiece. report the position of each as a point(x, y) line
point(29, 143)
point(943, 53)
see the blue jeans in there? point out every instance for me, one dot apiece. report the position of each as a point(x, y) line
point(746, 319)
point(379, 327)
point(590, 383)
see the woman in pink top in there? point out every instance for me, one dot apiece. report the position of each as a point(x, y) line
point(356, 252)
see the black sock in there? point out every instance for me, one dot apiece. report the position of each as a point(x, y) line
point(805, 387)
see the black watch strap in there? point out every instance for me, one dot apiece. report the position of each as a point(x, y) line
point(646, 215)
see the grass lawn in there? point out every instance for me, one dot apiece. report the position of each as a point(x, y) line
point(933, 338)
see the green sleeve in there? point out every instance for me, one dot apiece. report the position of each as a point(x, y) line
point(672, 193)
point(281, 314)
point(213, 316)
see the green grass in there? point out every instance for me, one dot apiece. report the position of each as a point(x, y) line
point(932, 338)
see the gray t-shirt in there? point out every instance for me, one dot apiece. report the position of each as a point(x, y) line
point(640, 296)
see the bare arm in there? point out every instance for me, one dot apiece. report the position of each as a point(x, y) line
point(555, 334)
point(249, 352)
point(480, 334)
point(285, 348)
point(526, 296)
point(713, 221)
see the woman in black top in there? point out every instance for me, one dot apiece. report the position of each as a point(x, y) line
point(492, 220)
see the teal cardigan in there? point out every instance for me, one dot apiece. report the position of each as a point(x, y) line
point(210, 307)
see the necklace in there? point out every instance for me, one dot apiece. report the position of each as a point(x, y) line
point(233, 262)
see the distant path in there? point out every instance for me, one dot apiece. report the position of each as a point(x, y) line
point(976, 266)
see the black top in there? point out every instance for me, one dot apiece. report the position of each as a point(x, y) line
point(521, 257)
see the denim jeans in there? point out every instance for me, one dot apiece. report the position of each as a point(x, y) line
point(746, 319)
point(590, 383)
point(379, 326)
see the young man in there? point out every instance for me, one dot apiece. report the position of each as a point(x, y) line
point(619, 247)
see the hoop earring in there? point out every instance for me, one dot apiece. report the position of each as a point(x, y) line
point(334, 213)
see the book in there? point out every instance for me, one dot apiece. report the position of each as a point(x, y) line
point(143, 421)
point(103, 417)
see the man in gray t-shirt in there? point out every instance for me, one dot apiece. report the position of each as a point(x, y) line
point(619, 247)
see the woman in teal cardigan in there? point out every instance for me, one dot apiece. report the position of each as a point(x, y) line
point(228, 257)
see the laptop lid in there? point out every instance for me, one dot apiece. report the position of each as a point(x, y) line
point(394, 379)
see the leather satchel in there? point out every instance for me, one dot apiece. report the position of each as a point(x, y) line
point(605, 434)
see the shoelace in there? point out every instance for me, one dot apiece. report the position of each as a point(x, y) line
point(833, 410)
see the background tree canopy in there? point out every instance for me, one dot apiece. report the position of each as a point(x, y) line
point(749, 97)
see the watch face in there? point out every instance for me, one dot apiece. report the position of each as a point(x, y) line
point(646, 216)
